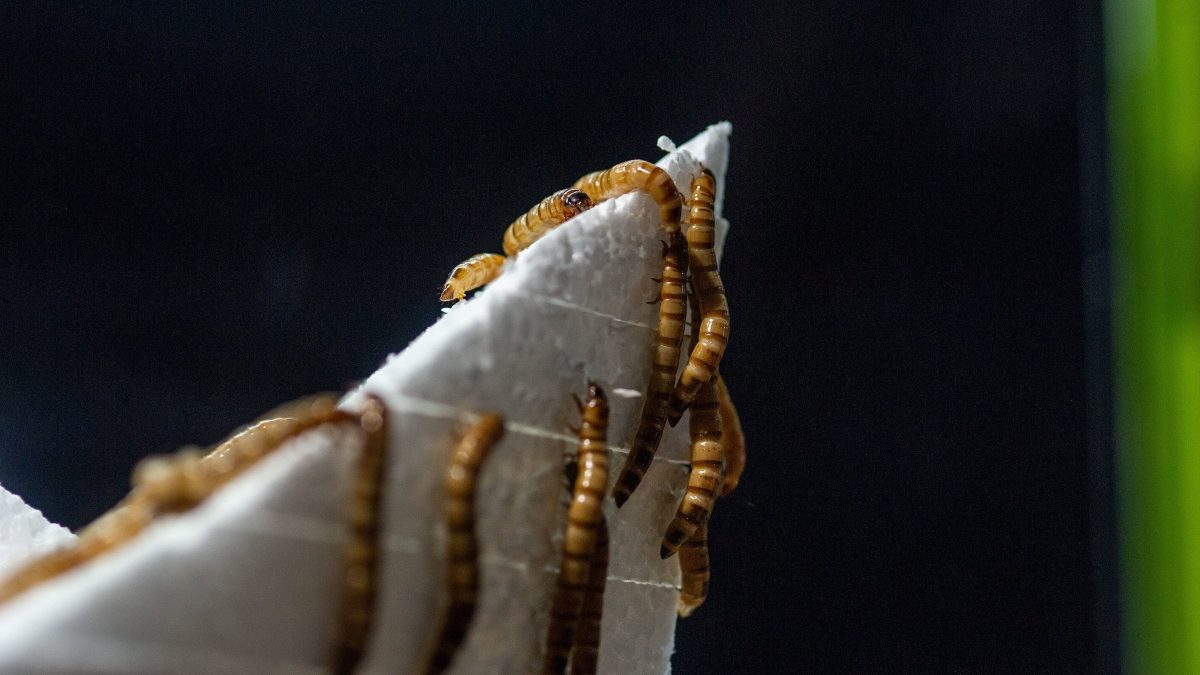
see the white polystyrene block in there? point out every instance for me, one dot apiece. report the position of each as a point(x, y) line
point(25, 533)
point(247, 581)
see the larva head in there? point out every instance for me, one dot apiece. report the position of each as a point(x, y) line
point(575, 202)
point(675, 252)
point(596, 395)
point(595, 409)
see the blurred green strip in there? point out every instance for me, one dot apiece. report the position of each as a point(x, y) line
point(1153, 70)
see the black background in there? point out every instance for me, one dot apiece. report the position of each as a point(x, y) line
point(212, 209)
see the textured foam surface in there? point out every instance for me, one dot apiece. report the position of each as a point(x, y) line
point(24, 532)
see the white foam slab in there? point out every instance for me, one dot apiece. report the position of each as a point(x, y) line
point(247, 581)
point(25, 532)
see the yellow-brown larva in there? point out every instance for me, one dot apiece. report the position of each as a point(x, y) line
point(585, 655)
point(693, 555)
point(360, 562)
point(707, 473)
point(693, 565)
point(672, 312)
point(636, 174)
point(548, 214)
point(705, 357)
point(478, 270)
point(732, 439)
point(462, 559)
point(483, 268)
point(583, 522)
point(173, 484)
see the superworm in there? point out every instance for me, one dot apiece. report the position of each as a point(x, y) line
point(707, 474)
point(636, 174)
point(583, 523)
point(693, 555)
point(360, 561)
point(458, 509)
point(672, 311)
point(585, 655)
point(693, 564)
point(478, 270)
point(543, 217)
point(483, 268)
point(174, 484)
point(732, 439)
point(706, 356)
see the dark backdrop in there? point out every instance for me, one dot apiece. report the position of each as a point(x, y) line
point(210, 210)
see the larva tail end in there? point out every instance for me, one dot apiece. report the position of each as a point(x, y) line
point(673, 415)
point(627, 481)
point(729, 485)
point(665, 552)
point(620, 495)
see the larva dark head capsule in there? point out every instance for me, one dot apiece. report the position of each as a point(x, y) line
point(575, 202)
point(596, 396)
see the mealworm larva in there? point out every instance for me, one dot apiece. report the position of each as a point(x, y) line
point(462, 563)
point(707, 474)
point(482, 269)
point(360, 560)
point(583, 522)
point(636, 174)
point(545, 216)
point(478, 270)
point(732, 439)
point(585, 655)
point(672, 312)
point(693, 555)
point(175, 484)
point(706, 283)
point(693, 563)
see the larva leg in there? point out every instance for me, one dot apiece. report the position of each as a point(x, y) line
point(732, 439)
point(361, 556)
point(548, 214)
point(637, 174)
point(462, 569)
point(693, 563)
point(478, 270)
point(714, 309)
point(586, 653)
point(707, 474)
point(174, 484)
point(671, 315)
point(583, 520)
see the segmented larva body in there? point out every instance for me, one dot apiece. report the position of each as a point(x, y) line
point(672, 313)
point(707, 474)
point(693, 555)
point(706, 282)
point(462, 559)
point(360, 561)
point(583, 523)
point(548, 214)
point(693, 564)
point(585, 655)
point(732, 439)
point(483, 268)
point(173, 484)
point(478, 270)
point(637, 174)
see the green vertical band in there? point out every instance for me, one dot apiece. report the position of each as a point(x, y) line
point(1153, 67)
